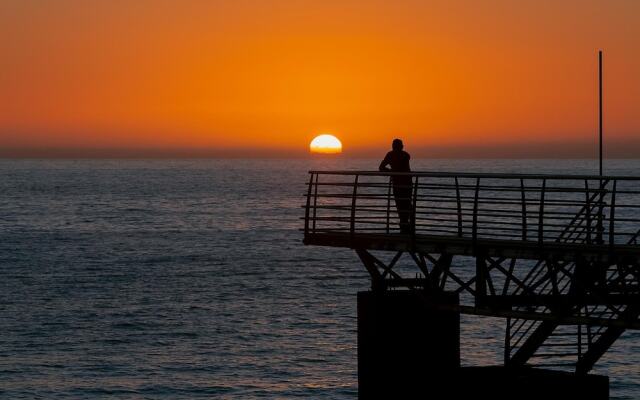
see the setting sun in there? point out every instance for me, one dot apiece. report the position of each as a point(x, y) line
point(325, 144)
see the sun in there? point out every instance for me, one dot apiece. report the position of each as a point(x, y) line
point(325, 144)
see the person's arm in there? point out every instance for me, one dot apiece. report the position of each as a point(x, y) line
point(384, 163)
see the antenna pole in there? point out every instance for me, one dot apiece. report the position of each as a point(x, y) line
point(600, 104)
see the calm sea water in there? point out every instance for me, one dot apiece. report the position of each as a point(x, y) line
point(188, 279)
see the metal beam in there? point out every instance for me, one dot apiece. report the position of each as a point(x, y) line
point(606, 340)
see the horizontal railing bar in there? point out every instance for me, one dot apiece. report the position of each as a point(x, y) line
point(488, 220)
point(512, 211)
point(350, 196)
point(488, 175)
point(507, 200)
point(514, 238)
point(427, 229)
point(470, 188)
point(483, 189)
point(487, 188)
point(487, 229)
point(498, 215)
point(517, 189)
point(468, 212)
point(504, 201)
point(452, 231)
point(348, 208)
point(435, 228)
point(454, 196)
point(507, 219)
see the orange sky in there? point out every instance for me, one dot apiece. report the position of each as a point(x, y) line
point(266, 76)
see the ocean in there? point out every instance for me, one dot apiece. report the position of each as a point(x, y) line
point(171, 279)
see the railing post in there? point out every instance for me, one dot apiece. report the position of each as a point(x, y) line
point(389, 206)
point(541, 213)
point(459, 202)
point(588, 210)
point(353, 206)
point(306, 211)
point(315, 203)
point(413, 211)
point(600, 226)
point(612, 215)
point(524, 210)
point(474, 228)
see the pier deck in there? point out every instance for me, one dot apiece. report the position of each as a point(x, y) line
point(556, 255)
point(468, 247)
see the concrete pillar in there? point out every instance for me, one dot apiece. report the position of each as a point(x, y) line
point(524, 383)
point(407, 350)
point(403, 346)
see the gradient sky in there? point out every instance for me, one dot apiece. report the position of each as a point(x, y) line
point(454, 77)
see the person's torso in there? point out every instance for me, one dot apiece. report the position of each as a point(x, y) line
point(399, 162)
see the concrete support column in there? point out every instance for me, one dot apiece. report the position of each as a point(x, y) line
point(403, 345)
point(408, 350)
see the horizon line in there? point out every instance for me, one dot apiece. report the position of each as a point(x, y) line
point(612, 150)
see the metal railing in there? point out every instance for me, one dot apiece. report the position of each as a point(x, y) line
point(596, 210)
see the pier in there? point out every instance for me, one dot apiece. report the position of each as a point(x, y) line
point(556, 256)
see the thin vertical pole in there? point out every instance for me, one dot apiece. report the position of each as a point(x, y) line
point(600, 104)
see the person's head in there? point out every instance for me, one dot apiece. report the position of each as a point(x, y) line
point(397, 144)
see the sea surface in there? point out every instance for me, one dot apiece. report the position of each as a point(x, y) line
point(181, 279)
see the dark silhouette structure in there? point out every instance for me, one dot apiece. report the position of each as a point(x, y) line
point(556, 256)
point(398, 160)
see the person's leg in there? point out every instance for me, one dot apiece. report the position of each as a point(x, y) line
point(403, 204)
point(406, 211)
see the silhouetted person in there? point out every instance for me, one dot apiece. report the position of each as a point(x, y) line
point(398, 160)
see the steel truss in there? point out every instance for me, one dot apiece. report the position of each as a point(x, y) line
point(558, 313)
